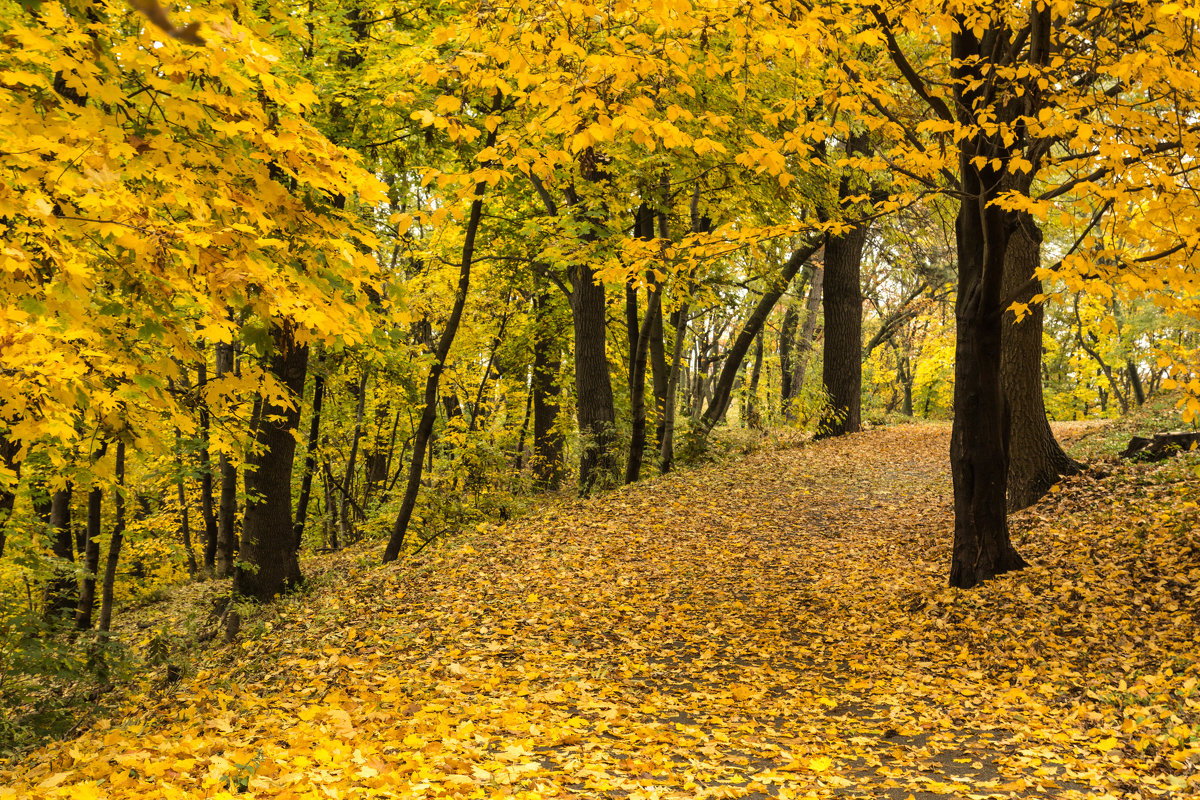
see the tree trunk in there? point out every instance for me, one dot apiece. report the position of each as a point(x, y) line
point(207, 511)
point(60, 591)
point(547, 463)
point(91, 562)
point(637, 389)
point(9, 450)
point(808, 335)
point(227, 539)
point(185, 525)
point(1035, 460)
point(787, 335)
point(753, 416)
point(348, 532)
point(114, 542)
point(978, 448)
point(842, 363)
point(666, 457)
point(310, 457)
point(268, 539)
point(723, 388)
point(424, 430)
point(593, 385)
point(659, 374)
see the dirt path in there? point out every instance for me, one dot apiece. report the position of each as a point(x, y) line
point(772, 627)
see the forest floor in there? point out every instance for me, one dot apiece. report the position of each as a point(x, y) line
point(772, 626)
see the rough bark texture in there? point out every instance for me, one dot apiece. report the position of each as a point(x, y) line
point(547, 461)
point(60, 591)
point(310, 459)
point(207, 509)
point(978, 448)
point(637, 389)
point(91, 561)
point(268, 541)
point(787, 336)
point(1035, 460)
point(593, 385)
point(842, 363)
point(227, 539)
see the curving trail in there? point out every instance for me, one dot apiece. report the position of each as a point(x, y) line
point(772, 627)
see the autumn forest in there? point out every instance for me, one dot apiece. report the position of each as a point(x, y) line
point(633, 399)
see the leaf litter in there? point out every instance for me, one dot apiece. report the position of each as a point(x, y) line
point(773, 627)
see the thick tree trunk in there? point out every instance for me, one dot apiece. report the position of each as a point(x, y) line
point(842, 363)
point(114, 543)
point(978, 449)
point(268, 539)
point(593, 385)
point(547, 463)
point(1035, 460)
point(723, 388)
point(227, 538)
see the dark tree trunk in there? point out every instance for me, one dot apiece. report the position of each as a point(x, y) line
point(753, 415)
point(114, 543)
point(424, 430)
point(659, 373)
point(666, 450)
point(723, 388)
point(310, 458)
point(8, 496)
point(1135, 383)
point(185, 523)
point(60, 591)
point(91, 561)
point(207, 511)
point(268, 539)
point(349, 534)
point(227, 539)
point(978, 448)
point(547, 462)
point(787, 335)
point(842, 363)
point(1035, 459)
point(593, 385)
point(637, 389)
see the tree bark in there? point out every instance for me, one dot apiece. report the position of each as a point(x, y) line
point(91, 560)
point(348, 532)
point(808, 335)
point(268, 539)
point(753, 415)
point(60, 591)
point(114, 543)
point(978, 448)
point(547, 463)
point(227, 539)
point(787, 336)
point(593, 385)
point(310, 457)
point(666, 458)
point(637, 389)
point(1035, 460)
point(207, 511)
point(842, 363)
point(659, 374)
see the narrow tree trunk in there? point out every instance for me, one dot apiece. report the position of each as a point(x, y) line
point(1035, 460)
point(425, 428)
point(207, 511)
point(91, 560)
point(666, 458)
point(60, 591)
point(753, 415)
point(310, 457)
point(808, 334)
point(637, 389)
point(659, 374)
point(348, 532)
point(787, 335)
point(722, 390)
point(842, 363)
point(227, 539)
point(114, 542)
point(185, 525)
point(547, 462)
point(268, 539)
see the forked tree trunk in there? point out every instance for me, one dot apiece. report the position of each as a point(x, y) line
point(1035, 460)
point(268, 540)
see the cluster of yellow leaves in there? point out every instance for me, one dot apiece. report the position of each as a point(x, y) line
point(155, 195)
point(718, 634)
